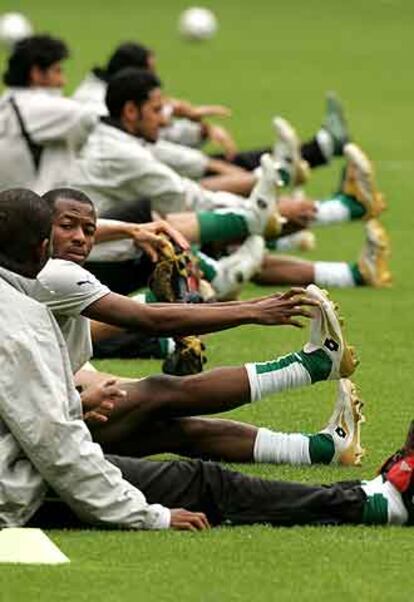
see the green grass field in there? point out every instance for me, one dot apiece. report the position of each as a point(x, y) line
point(271, 58)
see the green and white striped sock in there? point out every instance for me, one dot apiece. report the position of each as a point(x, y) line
point(292, 448)
point(340, 208)
point(287, 372)
point(222, 225)
point(207, 264)
point(384, 504)
point(337, 274)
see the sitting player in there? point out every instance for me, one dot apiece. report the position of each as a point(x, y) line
point(54, 452)
point(40, 130)
point(162, 408)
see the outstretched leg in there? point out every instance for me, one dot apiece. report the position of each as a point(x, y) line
point(230, 441)
point(232, 498)
point(371, 269)
point(223, 389)
point(160, 398)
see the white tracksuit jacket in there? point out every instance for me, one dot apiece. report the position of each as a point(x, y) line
point(60, 125)
point(116, 167)
point(176, 146)
point(43, 439)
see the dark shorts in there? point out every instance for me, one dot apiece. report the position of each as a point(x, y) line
point(138, 212)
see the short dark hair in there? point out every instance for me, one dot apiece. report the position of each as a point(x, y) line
point(129, 84)
point(39, 50)
point(51, 196)
point(127, 54)
point(25, 222)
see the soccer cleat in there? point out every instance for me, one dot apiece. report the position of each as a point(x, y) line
point(176, 276)
point(345, 423)
point(406, 452)
point(335, 123)
point(187, 358)
point(262, 213)
point(326, 333)
point(359, 182)
point(303, 240)
point(373, 261)
point(398, 470)
point(287, 152)
point(237, 269)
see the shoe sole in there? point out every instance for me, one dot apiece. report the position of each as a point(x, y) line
point(334, 107)
point(307, 241)
point(375, 203)
point(377, 235)
point(353, 454)
point(287, 134)
point(333, 324)
point(263, 201)
point(239, 268)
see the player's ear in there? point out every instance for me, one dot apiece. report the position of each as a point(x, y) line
point(45, 250)
point(130, 111)
point(35, 76)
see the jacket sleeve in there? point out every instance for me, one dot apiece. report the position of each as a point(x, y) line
point(51, 118)
point(40, 407)
point(187, 162)
point(168, 191)
point(183, 131)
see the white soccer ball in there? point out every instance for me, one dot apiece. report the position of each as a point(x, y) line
point(14, 27)
point(197, 23)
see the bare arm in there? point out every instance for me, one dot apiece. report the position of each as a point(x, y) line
point(218, 135)
point(146, 236)
point(183, 319)
point(183, 108)
point(218, 166)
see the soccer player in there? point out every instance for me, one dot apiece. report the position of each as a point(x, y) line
point(115, 167)
point(193, 131)
point(47, 447)
point(123, 142)
point(40, 130)
point(185, 123)
point(148, 415)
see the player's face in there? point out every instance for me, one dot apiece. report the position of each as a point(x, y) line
point(73, 233)
point(52, 77)
point(150, 117)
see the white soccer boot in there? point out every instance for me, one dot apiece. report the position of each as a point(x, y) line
point(262, 212)
point(287, 152)
point(237, 269)
point(359, 181)
point(344, 425)
point(373, 261)
point(303, 240)
point(326, 333)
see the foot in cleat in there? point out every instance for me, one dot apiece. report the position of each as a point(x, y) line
point(359, 182)
point(262, 212)
point(187, 358)
point(326, 334)
point(335, 123)
point(344, 425)
point(398, 470)
point(236, 270)
point(287, 152)
point(176, 276)
point(373, 261)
